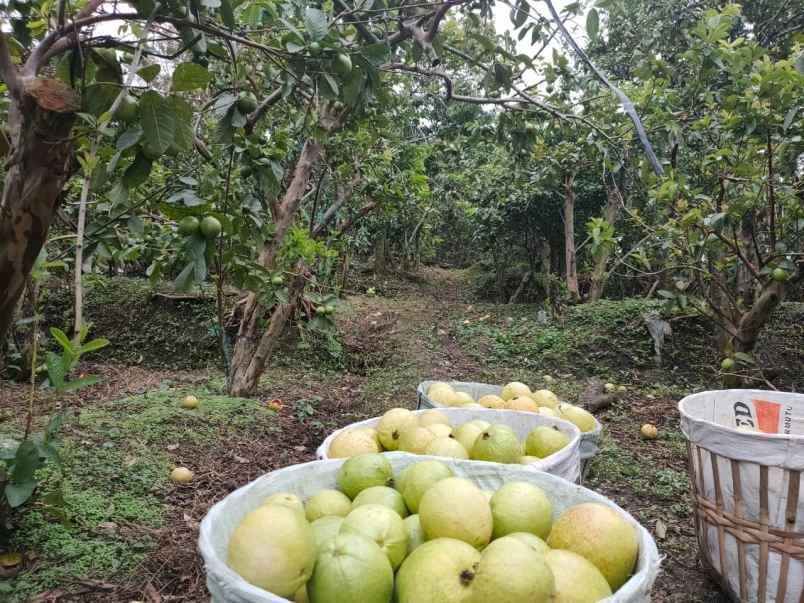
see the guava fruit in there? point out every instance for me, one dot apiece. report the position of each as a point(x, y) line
point(438, 571)
point(491, 401)
point(472, 405)
point(533, 541)
point(353, 442)
point(210, 227)
point(521, 507)
point(582, 419)
point(467, 434)
point(188, 226)
point(544, 397)
point(447, 447)
point(510, 570)
point(462, 398)
point(415, 532)
point(497, 445)
point(543, 441)
point(286, 499)
point(481, 423)
point(382, 495)
point(577, 580)
point(392, 424)
point(527, 460)
point(780, 275)
point(363, 471)
point(382, 525)
point(273, 548)
point(351, 568)
point(513, 390)
point(440, 430)
point(342, 64)
point(415, 440)
point(327, 502)
point(128, 110)
point(548, 412)
point(432, 417)
point(601, 535)
point(419, 478)
point(189, 402)
point(649, 432)
point(727, 364)
point(181, 475)
point(325, 528)
point(455, 508)
point(523, 403)
point(442, 393)
point(246, 102)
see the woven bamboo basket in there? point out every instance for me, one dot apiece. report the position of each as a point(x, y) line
point(749, 508)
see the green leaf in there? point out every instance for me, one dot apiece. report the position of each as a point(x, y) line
point(149, 72)
point(17, 494)
point(189, 76)
point(79, 383)
point(184, 281)
point(800, 63)
point(137, 172)
point(227, 14)
point(158, 122)
point(592, 24)
point(62, 338)
point(745, 358)
point(95, 344)
point(183, 140)
point(519, 13)
point(55, 370)
point(788, 119)
point(315, 22)
point(26, 462)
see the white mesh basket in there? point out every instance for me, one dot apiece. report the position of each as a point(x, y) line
point(305, 480)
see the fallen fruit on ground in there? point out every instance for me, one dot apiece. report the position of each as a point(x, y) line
point(351, 568)
point(181, 475)
point(327, 502)
point(353, 442)
point(521, 507)
point(576, 579)
point(265, 536)
point(649, 432)
point(602, 536)
point(189, 402)
point(382, 525)
point(363, 471)
point(455, 508)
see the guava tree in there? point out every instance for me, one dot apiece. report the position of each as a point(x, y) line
point(729, 214)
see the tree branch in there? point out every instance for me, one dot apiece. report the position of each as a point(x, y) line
point(628, 106)
point(8, 71)
point(269, 101)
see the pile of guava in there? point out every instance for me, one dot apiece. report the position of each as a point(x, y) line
point(426, 535)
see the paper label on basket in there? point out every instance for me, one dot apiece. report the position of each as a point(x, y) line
point(764, 415)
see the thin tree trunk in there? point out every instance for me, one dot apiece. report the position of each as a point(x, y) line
point(520, 288)
point(79, 247)
point(251, 350)
point(40, 119)
point(380, 253)
point(600, 275)
point(569, 238)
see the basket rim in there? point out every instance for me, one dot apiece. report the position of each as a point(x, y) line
point(683, 406)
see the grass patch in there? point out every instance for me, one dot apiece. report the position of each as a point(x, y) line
point(115, 468)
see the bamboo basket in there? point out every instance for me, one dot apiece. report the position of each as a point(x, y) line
point(746, 488)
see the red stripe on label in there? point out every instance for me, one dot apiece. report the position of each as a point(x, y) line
point(767, 415)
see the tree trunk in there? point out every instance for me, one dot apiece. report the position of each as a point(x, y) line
point(248, 364)
point(39, 123)
point(520, 288)
point(380, 253)
point(251, 350)
point(569, 238)
point(599, 273)
point(79, 247)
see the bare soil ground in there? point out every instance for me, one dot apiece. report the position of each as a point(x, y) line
point(391, 343)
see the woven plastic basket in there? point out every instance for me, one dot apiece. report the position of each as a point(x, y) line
point(746, 486)
point(565, 463)
point(226, 586)
point(589, 440)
